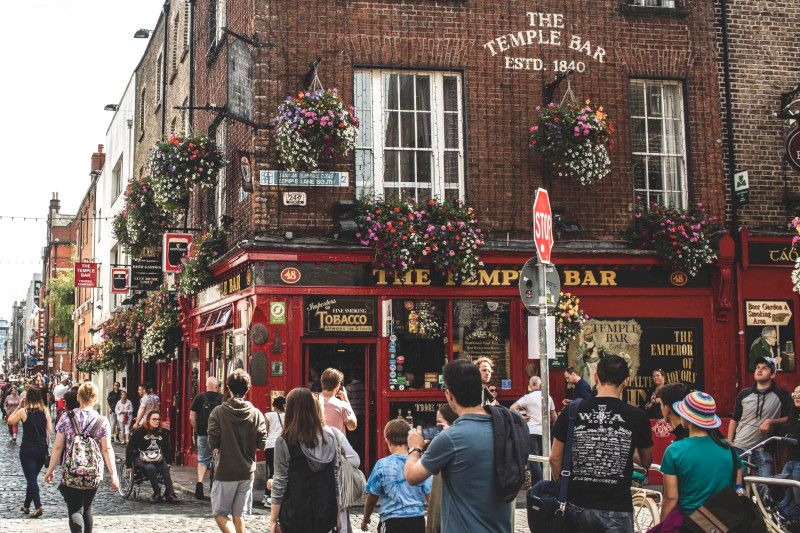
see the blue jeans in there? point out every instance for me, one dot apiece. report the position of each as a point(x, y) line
point(596, 521)
point(765, 467)
point(791, 500)
point(32, 460)
point(535, 467)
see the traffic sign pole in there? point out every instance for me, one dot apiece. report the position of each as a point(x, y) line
point(544, 368)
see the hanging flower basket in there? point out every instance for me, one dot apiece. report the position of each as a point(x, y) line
point(574, 139)
point(570, 319)
point(163, 334)
point(87, 361)
point(314, 127)
point(112, 355)
point(196, 266)
point(681, 236)
point(403, 234)
point(141, 223)
point(795, 241)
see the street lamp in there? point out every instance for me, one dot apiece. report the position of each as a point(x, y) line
point(111, 107)
point(142, 33)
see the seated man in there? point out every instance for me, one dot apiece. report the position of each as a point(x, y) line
point(149, 451)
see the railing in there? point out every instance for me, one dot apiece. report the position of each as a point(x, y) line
point(778, 482)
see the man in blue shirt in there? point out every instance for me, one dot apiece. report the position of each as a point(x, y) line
point(582, 388)
point(464, 454)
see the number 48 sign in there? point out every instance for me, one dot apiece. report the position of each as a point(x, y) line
point(542, 226)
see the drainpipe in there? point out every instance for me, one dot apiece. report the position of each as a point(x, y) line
point(731, 151)
point(191, 65)
point(164, 71)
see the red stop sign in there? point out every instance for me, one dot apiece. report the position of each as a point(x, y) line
point(542, 225)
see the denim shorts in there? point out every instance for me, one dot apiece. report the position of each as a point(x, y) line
point(203, 451)
point(232, 498)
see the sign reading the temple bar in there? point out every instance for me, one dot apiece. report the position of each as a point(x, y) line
point(313, 178)
point(336, 316)
point(544, 30)
point(793, 148)
point(85, 274)
point(176, 245)
point(120, 277)
point(146, 273)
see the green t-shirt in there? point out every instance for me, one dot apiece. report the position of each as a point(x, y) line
point(703, 468)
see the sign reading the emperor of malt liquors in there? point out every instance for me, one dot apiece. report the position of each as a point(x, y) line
point(570, 50)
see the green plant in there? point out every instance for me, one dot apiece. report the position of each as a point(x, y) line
point(163, 334)
point(681, 236)
point(141, 223)
point(196, 265)
point(570, 319)
point(574, 139)
point(314, 126)
point(62, 297)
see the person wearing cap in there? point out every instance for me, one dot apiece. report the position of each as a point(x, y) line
point(698, 467)
point(759, 411)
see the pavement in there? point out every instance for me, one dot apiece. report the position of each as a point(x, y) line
point(114, 514)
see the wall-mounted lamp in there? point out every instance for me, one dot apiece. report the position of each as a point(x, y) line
point(142, 33)
point(111, 107)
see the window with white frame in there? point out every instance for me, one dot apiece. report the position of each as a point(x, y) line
point(117, 185)
point(159, 77)
point(410, 143)
point(653, 3)
point(658, 143)
point(222, 179)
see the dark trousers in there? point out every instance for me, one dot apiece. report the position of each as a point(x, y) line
point(534, 466)
point(270, 465)
point(152, 470)
point(79, 508)
point(410, 524)
point(32, 460)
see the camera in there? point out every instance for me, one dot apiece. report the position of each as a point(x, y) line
point(430, 432)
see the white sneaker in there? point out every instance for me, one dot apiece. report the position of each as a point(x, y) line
point(267, 501)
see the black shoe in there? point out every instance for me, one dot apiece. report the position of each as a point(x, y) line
point(198, 490)
point(25, 510)
point(155, 498)
point(171, 498)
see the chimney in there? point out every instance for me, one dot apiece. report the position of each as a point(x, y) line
point(98, 159)
point(55, 204)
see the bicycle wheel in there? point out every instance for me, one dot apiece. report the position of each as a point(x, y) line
point(771, 520)
point(645, 512)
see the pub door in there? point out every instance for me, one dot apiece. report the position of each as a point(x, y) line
point(356, 362)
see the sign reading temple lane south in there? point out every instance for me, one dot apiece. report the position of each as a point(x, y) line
point(304, 179)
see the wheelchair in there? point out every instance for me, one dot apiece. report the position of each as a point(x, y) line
point(131, 480)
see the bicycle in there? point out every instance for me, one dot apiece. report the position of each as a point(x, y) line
point(774, 521)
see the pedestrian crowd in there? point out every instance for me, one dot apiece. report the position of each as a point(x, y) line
point(462, 476)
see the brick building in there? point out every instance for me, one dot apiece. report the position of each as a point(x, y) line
point(762, 76)
point(57, 258)
point(446, 92)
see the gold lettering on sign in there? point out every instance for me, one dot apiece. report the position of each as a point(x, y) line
point(574, 278)
point(783, 255)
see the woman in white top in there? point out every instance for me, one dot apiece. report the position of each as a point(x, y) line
point(274, 421)
point(124, 411)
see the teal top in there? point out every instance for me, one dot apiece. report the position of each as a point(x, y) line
point(703, 468)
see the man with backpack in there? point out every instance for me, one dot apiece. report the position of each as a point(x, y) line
point(202, 405)
point(605, 433)
point(472, 498)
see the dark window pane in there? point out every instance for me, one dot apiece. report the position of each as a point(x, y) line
point(391, 193)
point(654, 107)
point(408, 193)
point(482, 329)
point(450, 130)
point(424, 167)
point(407, 172)
point(654, 173)
point(390, 91)
point(451, 167)
point(451, 194)
point(390, 165)
point(423, 93)
point(638, 137)
point(406, 91)
point(654, 136)
point(407, 133)
point(392, 136)
point(638, 172)
point(450, 86)
point(637, 99)
point(423, 194)
point(423, 130)
point(420, 327)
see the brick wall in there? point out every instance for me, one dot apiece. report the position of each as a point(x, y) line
point(502, 173)
point(763, 64)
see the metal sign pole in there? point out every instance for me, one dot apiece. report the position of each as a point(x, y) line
point(544, 367)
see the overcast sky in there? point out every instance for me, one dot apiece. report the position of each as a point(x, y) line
point(62, 62)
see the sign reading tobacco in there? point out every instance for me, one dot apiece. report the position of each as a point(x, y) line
point(336, 316)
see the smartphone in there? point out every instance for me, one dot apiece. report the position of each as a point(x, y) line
point(430, 432)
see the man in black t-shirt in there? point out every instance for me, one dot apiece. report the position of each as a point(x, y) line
point(112, 399)
point(202, 405)
point(606, 433)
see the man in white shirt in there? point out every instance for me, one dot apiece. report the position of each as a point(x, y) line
point(61, 389)
point(530, 407)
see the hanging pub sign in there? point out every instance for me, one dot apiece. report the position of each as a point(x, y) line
point(85, 274)
point(335, 316)
point(120, 278)
point(674, 345)
point(176, 245)
point(146, 272)
point(793, 148)
point(246, 165)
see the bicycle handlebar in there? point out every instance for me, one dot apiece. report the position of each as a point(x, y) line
point(773, 481)
point(786, 440)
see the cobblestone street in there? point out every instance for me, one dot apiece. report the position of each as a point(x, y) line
point(115, 514)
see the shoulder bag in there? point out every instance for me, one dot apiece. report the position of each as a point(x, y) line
point(727, 511)
point(547, 500)
point(351, 479)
